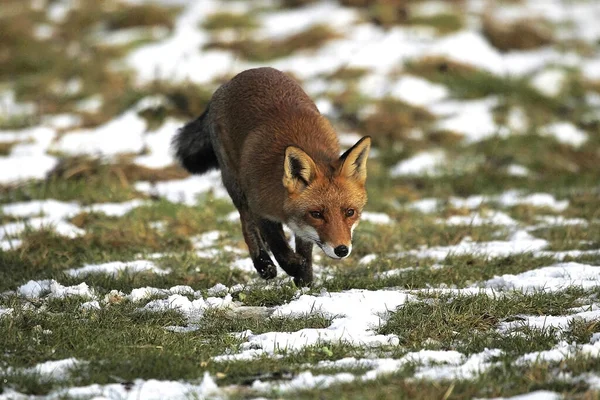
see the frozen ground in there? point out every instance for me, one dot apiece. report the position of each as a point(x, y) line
point(476, 271)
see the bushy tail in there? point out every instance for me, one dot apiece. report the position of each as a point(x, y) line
point(193, 147)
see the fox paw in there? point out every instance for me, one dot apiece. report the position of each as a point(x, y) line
point(267, 271)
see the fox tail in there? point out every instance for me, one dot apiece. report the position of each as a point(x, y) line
point(193, 147)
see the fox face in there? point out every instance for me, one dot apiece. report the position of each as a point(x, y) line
point(325, 200)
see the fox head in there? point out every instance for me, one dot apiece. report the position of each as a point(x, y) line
point(325, 201)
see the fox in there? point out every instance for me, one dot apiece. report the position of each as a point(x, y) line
point(281, 164)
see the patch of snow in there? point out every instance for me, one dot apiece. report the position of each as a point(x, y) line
point(565, 132)
point(6, 311)
point(60, 227)
point(53, 209)
point(376, 218)
point(62, 121)
point(459, 368)
point(426, 206)
point(117, 267)
point(193, 310)
point(186, 190)
point(35, 289)
point(54, 370)
point(553, 220)
point(424, 163)
point(124, 134)
point(468, 47)
point(10, 244)
point(355, 313)
point(472, 118)
point(591, 69)
point(368, 259)
point(158, 143)
point(115, 209)
point(512, 198)
point(537, 395)
point(553, 278)
point(520, 242)
point(478, 219)
point(549, 82)
point(517, 170)
point(143, 389)
point(418, 91)
point(206, 240)
point(90, 305)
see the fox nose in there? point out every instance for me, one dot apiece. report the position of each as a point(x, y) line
point(341, 251)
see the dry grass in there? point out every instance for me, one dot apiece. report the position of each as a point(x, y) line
point(87, 169)
point(265, 50)
point(523, 34)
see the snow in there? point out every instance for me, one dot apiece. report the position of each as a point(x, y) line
point(520, 242)
point(478, 219)
point(59, 227)
point(517, 170)
point(469, 48)
point(471, 118)
point(186, 190)
point(460, 368)
point(54, 370)
point(5, 311)
point(424, 163)
point(565, 132)
point(552, 278)
point(376, 218)
point(51, 208)
point(53, 289)
point(549, 82)
point(124, 134)
point(193, 310)
point(355, 314)
point(138, 389)
point(418, 91)
point(115, 268)
point(158, 144)
point(537, 395)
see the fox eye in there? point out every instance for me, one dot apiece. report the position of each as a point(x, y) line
point(350, 212)
point(316, 214)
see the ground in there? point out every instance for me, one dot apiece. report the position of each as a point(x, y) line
point(475, 272)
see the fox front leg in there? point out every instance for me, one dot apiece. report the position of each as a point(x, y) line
point(296, 265)
point(258, 251)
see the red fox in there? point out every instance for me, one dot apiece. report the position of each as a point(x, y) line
point(280, 163)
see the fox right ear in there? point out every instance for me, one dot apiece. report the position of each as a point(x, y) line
point(299, 169)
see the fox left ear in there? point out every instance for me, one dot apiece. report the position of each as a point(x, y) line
point(354, 160)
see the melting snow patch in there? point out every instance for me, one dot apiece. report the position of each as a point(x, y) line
point(460, 368)
point(53, 209)
point(477, 219)
point(424, 163)
point(418, 91)
point(549, 82)
point(35, 289)
point(115, 209)
point(54, 370)
point(5, 312)
point(520, 242)
point(140, 389)
point(158, 144)
point(193, 310)
point(537, 395)
point(123, 134)
point(376, 218)
point(115, 268)
point(553, 278)
point(565, 132)
point(60, 227)
point(473, 118)
point(355, 314)
point(517, 170)
point(186, 190)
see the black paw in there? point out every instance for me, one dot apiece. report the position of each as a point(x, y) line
point(268, 271)
point(305, 280)
point(264, 266)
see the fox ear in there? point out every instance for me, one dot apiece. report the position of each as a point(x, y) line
point(299, 169)
point(354, 160)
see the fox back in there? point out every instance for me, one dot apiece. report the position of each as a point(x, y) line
point(280, 160)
